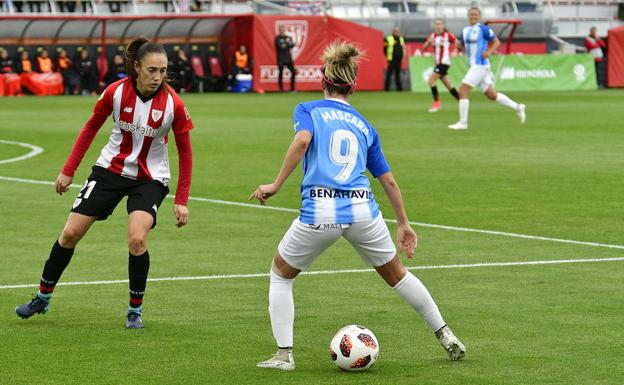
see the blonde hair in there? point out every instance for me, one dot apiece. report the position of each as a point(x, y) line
point(340, 66)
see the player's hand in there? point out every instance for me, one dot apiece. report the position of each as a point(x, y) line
point(485, 54)
point(181, 214)
point(62, 183)
point(407, 239)
point(264, 192)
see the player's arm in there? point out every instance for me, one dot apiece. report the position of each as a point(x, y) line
point(102, 110)
point(406, 237)
point(492, 47)
point(427, 44)
point(185, 169)
point(294, 155)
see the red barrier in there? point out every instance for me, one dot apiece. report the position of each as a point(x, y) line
point(10, 84)
point(615, 57)
point(43, 84)
point(311, 34)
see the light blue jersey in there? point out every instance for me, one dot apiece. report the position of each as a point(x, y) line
point(335, 188)
point(475, 39)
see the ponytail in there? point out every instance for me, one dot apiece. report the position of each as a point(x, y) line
point(340, 66)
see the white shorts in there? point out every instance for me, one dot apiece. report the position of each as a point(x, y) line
point(303, 243)
point(479, 76)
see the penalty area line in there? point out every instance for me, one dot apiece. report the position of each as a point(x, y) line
point(330, 272)
point(420, 224)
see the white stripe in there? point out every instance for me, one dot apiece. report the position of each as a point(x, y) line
point(329, 272)
point(35, 150)
point(421, 224)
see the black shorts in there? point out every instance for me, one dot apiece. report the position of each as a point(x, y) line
point(441, 69)
point(104, 190)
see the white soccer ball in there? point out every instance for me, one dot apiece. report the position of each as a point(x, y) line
point(354, 348)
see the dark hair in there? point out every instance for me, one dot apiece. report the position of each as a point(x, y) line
point(136, 51)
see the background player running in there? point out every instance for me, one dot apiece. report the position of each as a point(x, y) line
point(134, 163)
point(441, 40)
point(337, 145)
point(479, 42)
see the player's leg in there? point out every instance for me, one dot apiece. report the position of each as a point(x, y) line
point(464, 106)
point(449, 86)
point(397, 76)
point(388, 76)
point(299, 247)
point(95, 201)
point(504, 100)
point(143, 203)
point(371, 239)
point(433, 78)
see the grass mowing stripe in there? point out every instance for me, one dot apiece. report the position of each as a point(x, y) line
point(421, 224)
point(330, 272)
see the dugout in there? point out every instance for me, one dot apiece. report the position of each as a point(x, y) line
point(615, 57)
point(226, 32)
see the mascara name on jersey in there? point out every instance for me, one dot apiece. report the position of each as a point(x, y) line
point(344, 116)
point(330, 193)
point(131, 127)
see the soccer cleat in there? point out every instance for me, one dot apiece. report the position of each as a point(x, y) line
point(521, 112)
point(453, 346)
point(458, 126)
point(134, 321)
point(436, 106)
point(35, 306)
point(280, 361)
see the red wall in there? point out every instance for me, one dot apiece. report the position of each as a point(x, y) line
point(615, 57)
point(312, 34)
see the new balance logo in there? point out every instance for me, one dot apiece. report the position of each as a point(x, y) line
point(127, 109)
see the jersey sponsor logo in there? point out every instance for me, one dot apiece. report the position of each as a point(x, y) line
point(330, 226)
point(127, 109)
point(156, 115)
point(131, 127)
point(346, 117)
point(337, 194)
point(297, 30)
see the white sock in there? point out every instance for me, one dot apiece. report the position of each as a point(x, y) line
point(281, 310)
point(417, 295)
point(464, 105)
point(504, 100)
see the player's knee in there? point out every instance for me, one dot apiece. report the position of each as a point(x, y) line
point(70, 237)
point(137, 244)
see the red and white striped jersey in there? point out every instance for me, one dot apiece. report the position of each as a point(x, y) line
point(442, 46)
point(137, 147)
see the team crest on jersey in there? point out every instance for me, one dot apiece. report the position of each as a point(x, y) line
point(298, 32)
point(156, 115)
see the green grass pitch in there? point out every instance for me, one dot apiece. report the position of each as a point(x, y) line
point(558, 176)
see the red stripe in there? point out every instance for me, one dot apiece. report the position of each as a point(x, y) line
point(136, 301)
point(128, 100)
point(159, 103)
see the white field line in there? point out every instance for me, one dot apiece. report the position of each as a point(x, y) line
point(329, 272)
point(34, 151)
point(421, 224)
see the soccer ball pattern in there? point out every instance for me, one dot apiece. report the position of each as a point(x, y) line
point(354, 348)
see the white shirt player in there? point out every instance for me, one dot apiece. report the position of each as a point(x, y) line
point(442, 46)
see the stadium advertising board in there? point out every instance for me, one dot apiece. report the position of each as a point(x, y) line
point(518, 72)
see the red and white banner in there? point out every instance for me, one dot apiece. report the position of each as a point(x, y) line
point(615, 57)
point(311, 34)
point(43, 84)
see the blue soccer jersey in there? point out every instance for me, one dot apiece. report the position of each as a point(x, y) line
point(475, 39)
point(335, 188)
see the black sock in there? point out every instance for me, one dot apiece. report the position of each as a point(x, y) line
point(53, 269)
point(454, 92)
point(138, 267)
point(434, 92)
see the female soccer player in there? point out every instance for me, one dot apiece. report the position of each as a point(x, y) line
point(441, 41)
point(337, 145)
point(479, 42)
point(134, 163)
